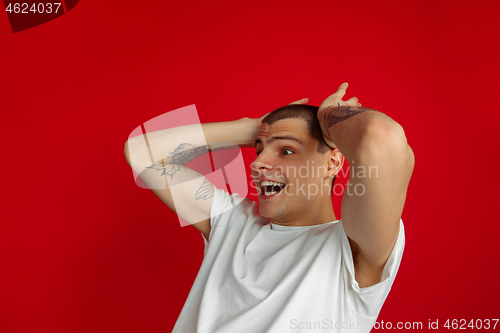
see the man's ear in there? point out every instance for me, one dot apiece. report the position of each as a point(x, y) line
point(335, 162)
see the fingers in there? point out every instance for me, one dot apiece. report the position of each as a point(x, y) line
point(342, 90)
point(301, 101)
point(352, 102)
point(336, 97)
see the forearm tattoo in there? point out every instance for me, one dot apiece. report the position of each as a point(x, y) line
point(186, 152)
point(183, 154)
point(166, 169)
point(341, 113)
point(173, 163)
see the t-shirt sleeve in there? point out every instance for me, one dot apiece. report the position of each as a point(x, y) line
point(368, 301)
point(221, 203)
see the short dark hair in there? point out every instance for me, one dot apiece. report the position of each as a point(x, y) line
point(306, 112)
point(300, 111)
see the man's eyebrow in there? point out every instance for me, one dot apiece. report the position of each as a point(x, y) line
point(280, 137)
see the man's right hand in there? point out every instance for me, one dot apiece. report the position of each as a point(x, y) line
point(301, 101)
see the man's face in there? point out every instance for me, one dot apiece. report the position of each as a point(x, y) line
point(288, 155)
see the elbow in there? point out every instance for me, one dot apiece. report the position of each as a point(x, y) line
point(386, 140)
point(385, 133)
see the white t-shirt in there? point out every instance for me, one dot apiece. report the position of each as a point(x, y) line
point(260, 277)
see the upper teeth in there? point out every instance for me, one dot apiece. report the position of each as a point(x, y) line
point(268, 183)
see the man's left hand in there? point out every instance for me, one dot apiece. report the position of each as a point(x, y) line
point(336, 99)
point(333, 101)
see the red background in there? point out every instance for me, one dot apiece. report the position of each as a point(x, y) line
point(83, 249)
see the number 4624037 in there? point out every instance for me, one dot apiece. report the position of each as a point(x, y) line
point(24, 8)
point(462, 324)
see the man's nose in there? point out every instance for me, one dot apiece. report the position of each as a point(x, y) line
point(261, 163)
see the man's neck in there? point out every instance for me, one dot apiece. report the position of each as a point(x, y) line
point(320, 212)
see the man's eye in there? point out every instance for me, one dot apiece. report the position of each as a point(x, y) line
point(287, 151)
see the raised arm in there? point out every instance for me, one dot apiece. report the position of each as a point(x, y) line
point(374, 143)
point(161, 165)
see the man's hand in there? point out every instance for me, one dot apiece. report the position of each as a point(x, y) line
point(331, 102)
point(336, 99)
point(301, 101)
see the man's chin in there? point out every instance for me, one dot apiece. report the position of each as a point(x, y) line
point(268, 212)
point(264, 212)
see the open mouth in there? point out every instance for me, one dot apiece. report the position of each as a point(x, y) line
point(269, 188)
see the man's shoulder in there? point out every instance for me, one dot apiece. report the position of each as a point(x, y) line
point(234, 205)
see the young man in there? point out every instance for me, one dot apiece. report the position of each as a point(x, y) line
point(288, 264)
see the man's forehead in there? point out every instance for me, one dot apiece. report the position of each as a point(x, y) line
point(292, 126)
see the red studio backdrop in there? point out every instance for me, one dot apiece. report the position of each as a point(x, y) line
point(84, 249)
